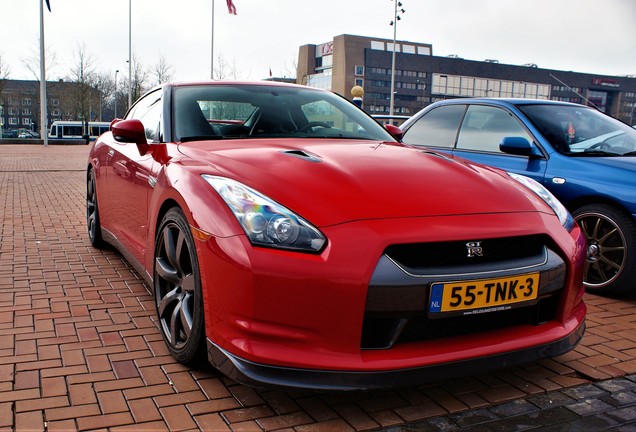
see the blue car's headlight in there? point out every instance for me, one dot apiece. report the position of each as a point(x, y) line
point(266, 222)
point(559, 209)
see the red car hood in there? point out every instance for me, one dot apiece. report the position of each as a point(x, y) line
point(334, 181)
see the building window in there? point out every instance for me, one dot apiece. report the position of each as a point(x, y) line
point(377, 45)
point(13, 121)
point(26, 122)
point(26, 101)
point(390, 46)
point(12, 111)
point(55, 102)
point(408, 49)
point(56, 112)
point(454, 85)
point(359, 82)
point(359, 70)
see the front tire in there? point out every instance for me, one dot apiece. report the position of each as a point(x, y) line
point(92, 212)
point(177, 289)
point(610, 266)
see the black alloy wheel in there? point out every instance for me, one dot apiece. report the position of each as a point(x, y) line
point(610, 267)
point(177, 289)
point(92, 212)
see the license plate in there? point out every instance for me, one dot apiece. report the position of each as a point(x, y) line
point(482, 296)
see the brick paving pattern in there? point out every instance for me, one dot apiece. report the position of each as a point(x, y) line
point(80, 349)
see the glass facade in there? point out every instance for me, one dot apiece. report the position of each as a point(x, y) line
point(465, 86)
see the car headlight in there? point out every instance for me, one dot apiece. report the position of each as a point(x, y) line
point(266, 222)
point(559, 209)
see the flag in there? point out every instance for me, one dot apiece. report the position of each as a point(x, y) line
point(230, 7)
point(49, 6)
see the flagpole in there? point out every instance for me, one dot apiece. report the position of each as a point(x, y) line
point(129, 53)
point(43, 115)
point(212, 45)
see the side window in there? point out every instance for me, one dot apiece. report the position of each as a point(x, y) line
point(151, 120)
point(148, 111)
point(484, 127)
point(437, 128)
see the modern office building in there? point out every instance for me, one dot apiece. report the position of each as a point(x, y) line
point(422, 78)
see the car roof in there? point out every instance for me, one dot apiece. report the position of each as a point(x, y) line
point(507, 101)
point(238, 83)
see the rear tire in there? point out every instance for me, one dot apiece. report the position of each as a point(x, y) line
point(610, 266)
point(177, 289)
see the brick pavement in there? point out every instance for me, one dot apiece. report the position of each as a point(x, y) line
point(79, 348)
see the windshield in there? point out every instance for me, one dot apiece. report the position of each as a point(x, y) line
point(582, 131)
point(233, 111)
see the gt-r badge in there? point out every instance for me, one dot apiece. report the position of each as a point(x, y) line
point(474, 249)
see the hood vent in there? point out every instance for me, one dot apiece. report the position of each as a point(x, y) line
point(302, 155)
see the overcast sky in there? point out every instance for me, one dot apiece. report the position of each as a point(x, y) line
point(594, 36)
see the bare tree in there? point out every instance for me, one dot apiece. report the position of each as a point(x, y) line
point(84, 76)
point(163, 71)
point(32, 62)
point(5, 70)
point(291, 70)
point(140, 78)
point(104, 83)
point(223, 70)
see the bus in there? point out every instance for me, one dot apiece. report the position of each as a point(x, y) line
point(75, 130)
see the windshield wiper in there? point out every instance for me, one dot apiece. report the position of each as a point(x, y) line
point(201, 138)
point(594, 153)
point(632, 153)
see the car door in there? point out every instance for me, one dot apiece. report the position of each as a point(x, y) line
point(133, 176)
point(482, 129)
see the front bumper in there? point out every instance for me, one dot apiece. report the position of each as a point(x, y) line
point(261, 375)
point(294, 320)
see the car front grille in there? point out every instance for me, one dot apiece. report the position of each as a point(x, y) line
point(398, 295)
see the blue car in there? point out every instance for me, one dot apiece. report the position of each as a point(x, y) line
point(585, 158)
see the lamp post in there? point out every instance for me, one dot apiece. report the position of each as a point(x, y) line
point(212, 45)
point(129, 53)
point(43, 114)
point(396, 18)
point(116, 73)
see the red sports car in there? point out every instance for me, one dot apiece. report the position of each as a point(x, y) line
point(291, 241)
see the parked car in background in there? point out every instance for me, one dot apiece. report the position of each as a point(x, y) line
point(585, 158)
point(23, 133)
point(395, 120)
point(291, 241)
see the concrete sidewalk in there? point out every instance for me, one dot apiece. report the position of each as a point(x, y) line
point(80, 350)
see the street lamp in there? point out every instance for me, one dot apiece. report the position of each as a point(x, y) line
point(116, 73)
point(396, 18)
point(129, 53)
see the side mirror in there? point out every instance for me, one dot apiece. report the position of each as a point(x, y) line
point(518, 146)
point(395, 131)
point(130, 131)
